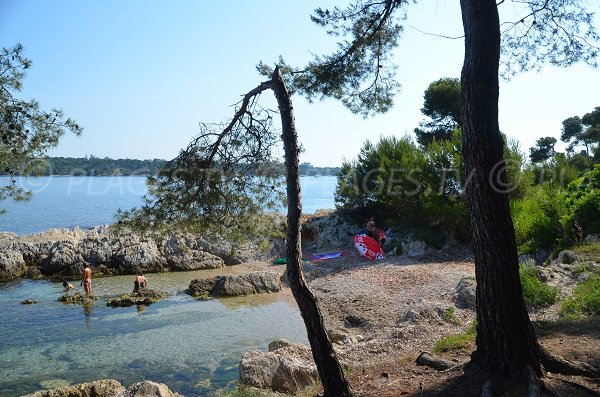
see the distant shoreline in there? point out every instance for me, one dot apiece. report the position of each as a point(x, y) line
point(95, 166)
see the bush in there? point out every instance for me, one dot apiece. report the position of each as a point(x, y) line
point(583, 207)
point(536, 219)
point(585, 299)
point(535, 292)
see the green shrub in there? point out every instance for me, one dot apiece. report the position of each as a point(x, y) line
point(585, 299)
point(536, 219)
point(535, 292)
point(583, 207)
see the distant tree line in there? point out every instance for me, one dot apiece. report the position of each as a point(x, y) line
point(307, 169)
point(96, 166)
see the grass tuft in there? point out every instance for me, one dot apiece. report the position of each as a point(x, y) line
point(458, 341)
point(585, 299)
point(535, 292)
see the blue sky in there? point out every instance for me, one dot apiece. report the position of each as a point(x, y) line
point(139, 75)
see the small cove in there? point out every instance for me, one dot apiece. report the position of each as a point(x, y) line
point(192, 346)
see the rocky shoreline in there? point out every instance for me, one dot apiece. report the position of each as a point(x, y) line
point(111, 251)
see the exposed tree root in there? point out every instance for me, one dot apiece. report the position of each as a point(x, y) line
point(425, 358)
point(533, 382)
point(559, 365)
point(549, 389)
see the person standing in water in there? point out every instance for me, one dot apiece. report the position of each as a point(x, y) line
point(87, 280)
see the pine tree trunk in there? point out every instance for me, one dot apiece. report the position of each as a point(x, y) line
point(331, 374)
point(506, 341)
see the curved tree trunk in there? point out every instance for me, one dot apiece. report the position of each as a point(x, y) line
point(331, 374)
point(506, 342)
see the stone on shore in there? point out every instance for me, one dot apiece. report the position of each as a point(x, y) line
point(98, 388)
point(108, 388)
point(230, 285)
point(465, 292)
point(286, 368)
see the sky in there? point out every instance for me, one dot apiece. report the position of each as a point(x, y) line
point(139, 75)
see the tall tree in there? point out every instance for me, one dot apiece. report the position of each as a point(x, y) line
point(582, 131)
point(361, 75)
point(543, 149)
point(26, 131)
point(442, 106)
point(222, 182)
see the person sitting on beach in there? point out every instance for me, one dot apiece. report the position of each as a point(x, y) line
point(140, 282)
point(371, 228)
point(66, 285)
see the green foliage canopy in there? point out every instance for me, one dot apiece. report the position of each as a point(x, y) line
point(26, 131)
point(442, 104)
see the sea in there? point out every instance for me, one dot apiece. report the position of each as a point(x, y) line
point(85, 202)
point(192, 346)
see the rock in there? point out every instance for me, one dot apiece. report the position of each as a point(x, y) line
point(194, 261)
point(76, 298)
point(566, 257)
point(341, 336)
point(247, 284)
point(29, 302)
point(139, 256)
point(148, 389)
point(465, 292)
point(12, 264)
point(412, 248)
point(99, 388)
point(32, 272)
point(142, 297)
point(592, 238)
point(110, 250)
point(230, 285)
point(541, 256)
point(63, 258)
point(288, 369)
point(411, 315)
point(279, 344)
point(324, 231)
point(202, 286)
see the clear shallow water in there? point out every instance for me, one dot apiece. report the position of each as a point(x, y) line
point(192, 346)
point(69, 201)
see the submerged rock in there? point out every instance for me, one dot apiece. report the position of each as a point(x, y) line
point(77, 298)
point(142, 297)
point(29, 302)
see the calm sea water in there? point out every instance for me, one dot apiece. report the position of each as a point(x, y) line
point(68, 201)
point(192, 346)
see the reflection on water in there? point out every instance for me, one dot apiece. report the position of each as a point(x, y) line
point(193, 346)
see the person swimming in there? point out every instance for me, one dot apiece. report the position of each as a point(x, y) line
point(67, 285)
